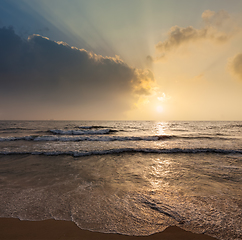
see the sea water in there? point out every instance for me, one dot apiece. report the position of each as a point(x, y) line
point(133, 178)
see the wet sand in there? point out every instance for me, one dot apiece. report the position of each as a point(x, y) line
point(15, 229)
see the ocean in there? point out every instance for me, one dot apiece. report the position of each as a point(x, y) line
point(127, 177)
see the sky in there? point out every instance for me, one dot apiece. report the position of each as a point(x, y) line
point(158, 60)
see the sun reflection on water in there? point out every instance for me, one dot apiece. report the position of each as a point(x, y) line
point(161, 128)
point(160, 172)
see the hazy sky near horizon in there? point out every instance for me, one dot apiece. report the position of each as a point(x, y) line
point(121, 60)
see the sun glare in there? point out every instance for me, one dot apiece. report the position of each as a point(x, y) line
point(159, 109)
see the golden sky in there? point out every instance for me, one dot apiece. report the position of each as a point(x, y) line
point(121, 60)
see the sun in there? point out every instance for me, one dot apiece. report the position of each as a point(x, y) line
point(159, 109)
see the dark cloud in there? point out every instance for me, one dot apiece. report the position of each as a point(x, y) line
point(42, 72)
point(236, 65)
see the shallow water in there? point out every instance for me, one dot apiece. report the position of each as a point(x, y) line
point(127, 177)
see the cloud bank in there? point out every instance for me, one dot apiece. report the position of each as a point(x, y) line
point(217, 28)
point(38, 71)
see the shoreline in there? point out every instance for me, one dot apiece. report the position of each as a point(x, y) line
point(13, 228)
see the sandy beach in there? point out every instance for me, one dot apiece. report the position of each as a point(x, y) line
point(51, 229)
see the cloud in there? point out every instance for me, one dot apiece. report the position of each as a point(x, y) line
point(215, 18)
point(216, 29)
point(49, 73)
point(164, 98)
point(235, 65)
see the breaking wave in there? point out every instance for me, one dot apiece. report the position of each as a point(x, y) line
point(83, 138)
point(79, 132)
point(129, 150)
point(72, 136)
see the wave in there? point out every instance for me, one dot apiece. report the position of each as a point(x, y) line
point(86, 138)
point(76, 132)
point(129, 150)
point(91, 127)
point(104, 138)
point(218, 136)
point(25, 138)
point(236, 125)
point(226, 126)
point(15, 129)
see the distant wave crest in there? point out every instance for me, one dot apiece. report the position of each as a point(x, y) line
point(91, 127)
